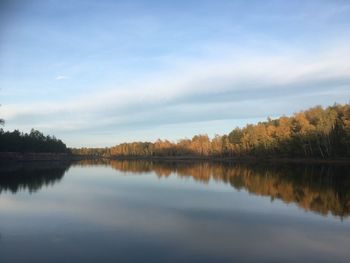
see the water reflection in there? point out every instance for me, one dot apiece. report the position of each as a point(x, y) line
point(320, 189)
point(30, 176)
point(100, 214)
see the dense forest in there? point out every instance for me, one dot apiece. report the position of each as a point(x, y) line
point(314, 133)
point(34, 142)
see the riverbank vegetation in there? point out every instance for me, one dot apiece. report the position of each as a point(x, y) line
point(33, 142)
point(318, 132)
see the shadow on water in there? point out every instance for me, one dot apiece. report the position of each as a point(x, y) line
point(321, 189)
point(30, 176)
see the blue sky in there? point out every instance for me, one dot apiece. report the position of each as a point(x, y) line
point(97, 73)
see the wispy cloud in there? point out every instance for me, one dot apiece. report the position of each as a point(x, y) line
point(231, 87)
point(61, 77)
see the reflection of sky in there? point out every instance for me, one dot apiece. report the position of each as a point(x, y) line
point(98, 212)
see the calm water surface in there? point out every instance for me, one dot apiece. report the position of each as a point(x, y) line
point(173, 212)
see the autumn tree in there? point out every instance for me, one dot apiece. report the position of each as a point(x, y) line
point(314, 133)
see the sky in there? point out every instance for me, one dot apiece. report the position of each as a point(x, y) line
point(98, 73)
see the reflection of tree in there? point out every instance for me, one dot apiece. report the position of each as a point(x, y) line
point(321, 189)
point(30, 176)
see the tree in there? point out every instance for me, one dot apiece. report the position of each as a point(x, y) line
point(314, 133)
point(35, 141)
point(2, 121)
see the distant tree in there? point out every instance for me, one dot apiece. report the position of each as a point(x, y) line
point(216, 146)
point(235, 136)
point(314, 133)
point(35, 141)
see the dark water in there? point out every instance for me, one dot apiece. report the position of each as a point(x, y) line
point(173, 212)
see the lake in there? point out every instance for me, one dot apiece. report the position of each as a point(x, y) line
point(139, 211)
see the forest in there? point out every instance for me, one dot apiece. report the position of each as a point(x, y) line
point(34, 142)
point(314, 133)
point(318, 132)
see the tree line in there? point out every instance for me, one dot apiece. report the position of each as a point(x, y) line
point(35, 141)
point(314, 133)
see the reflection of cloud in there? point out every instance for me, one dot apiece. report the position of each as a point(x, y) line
point(61, 77)
point(225, 223)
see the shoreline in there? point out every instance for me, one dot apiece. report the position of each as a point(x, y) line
point(33, 157)
point(36, 157)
